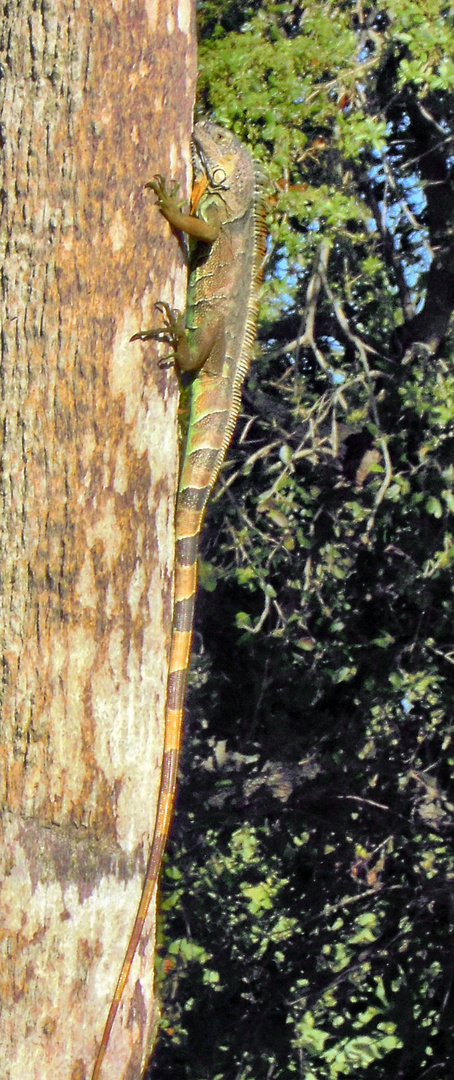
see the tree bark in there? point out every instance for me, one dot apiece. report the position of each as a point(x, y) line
point(96, 98)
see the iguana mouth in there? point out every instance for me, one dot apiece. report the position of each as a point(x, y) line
point(199, 163)
point(201, 172)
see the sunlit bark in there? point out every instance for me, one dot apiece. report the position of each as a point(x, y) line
point(95, 100)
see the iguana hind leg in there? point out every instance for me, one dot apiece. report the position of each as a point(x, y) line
point(173, 331)
point(191, 348)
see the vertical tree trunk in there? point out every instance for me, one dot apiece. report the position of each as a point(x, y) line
point(95, 99)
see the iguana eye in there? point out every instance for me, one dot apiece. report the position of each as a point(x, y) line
point(219, 176)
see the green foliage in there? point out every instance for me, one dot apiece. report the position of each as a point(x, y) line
point(309, 897)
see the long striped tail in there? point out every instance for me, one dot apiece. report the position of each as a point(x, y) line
point(202, 460)
point(185, 592)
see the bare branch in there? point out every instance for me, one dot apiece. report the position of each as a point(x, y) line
point(362, 351)
point(306, 339)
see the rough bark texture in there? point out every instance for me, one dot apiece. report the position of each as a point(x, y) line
point(96, 98)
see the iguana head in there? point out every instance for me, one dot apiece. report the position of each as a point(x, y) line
point(222, 166)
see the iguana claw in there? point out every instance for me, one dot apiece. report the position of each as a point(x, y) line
point(164, 197)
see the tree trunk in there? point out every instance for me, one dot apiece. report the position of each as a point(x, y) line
point(95, 100)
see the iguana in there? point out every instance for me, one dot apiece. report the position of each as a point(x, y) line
point(213, 342)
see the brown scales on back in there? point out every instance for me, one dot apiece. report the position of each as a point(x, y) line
point(214, 342)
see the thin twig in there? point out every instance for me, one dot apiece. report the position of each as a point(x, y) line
point(363, 348)
point(357, 798)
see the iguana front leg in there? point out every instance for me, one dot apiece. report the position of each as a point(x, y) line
point(169, 206)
